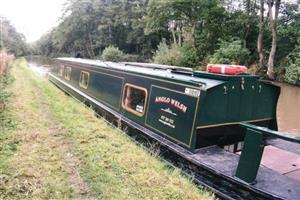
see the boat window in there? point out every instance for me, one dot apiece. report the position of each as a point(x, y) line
point(68, 73)
point(84, 79)
point(134, 99)
point(61, 70)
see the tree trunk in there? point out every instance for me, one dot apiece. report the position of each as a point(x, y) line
point(194, 34)
point(273, 26)
point(91, 46)
point(110, 42)
point(261, 35)
point(247, 5)
point(179, 31)
point(174, 36)
point(246, 33)
point(88, 50)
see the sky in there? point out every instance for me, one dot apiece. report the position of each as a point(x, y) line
point(33, 18)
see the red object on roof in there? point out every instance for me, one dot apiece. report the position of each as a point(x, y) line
point(226, 69)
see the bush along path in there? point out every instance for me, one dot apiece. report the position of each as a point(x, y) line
point(53, 147)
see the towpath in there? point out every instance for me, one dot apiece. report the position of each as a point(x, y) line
point(52, 147)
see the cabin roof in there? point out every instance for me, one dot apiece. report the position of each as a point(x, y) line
point(163, 71)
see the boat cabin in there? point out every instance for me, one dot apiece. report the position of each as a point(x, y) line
point(191, 108)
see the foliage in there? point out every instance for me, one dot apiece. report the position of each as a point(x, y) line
point(11, 40)
point(137, 27)
point(288, 30)
point(90, 26)
point(167, 55)
point(4, 94)
point(203, 19)
point(230, 53)
point(112, 53)
point(189, 56)
point(184, 56)
point(292, 74)
point(5, 78)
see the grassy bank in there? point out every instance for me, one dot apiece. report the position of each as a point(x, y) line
point(54, 147)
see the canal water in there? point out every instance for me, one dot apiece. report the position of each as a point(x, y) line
point(288, 109)
point(38, 64)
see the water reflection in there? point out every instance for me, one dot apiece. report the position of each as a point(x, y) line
point(40, 60)
point(40, 69)
point(39, 64)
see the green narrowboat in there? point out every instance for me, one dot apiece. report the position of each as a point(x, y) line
point(192, 108)
point(196, 117)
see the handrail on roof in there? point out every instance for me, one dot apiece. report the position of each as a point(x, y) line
point(158, 66)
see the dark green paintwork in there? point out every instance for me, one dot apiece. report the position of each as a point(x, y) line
point(272, 133)
point(180, 123)
point(251, 156)
point(253, 150)
point(257, 100)
point(214, 105)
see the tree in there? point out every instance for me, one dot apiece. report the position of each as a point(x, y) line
point(250, 14)
point(179, 15)
point(91, 25)
point(288, 30)
point(11, 40)
point(231, 52)
point(203, 20)
point(192, 30)
point(261, 35)
point(273, 26)
point(112, 53)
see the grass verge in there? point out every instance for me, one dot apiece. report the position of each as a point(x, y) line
point(64, 146)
